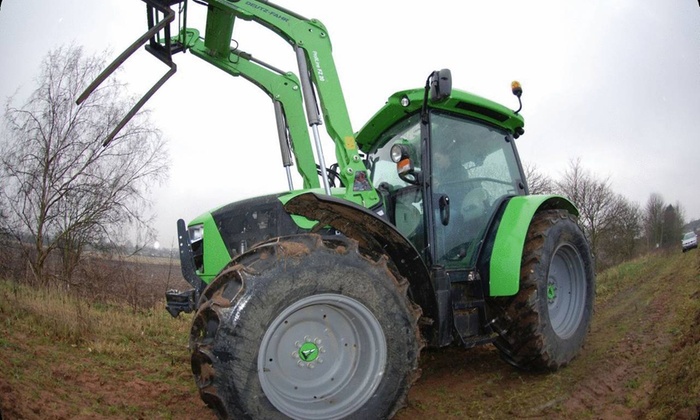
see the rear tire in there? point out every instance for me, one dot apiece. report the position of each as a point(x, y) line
point(544, 326)
point(306, 327)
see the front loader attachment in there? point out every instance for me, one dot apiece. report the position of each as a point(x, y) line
point(160, 15)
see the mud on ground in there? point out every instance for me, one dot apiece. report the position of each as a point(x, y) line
point(640, 361)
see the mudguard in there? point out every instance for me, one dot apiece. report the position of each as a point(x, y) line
point(373, 234)
point(504, 268)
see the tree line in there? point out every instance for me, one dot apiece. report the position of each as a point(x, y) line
point(61, 190)
point(617, 228)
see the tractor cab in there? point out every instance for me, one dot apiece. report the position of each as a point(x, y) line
point(443, 176)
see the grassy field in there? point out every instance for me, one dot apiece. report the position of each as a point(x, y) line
point(62, 357)
point(69, 358)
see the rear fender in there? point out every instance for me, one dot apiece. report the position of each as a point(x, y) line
point(375, 235)
point(505, 259)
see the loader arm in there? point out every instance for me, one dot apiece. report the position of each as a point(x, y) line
point(317, 76)
point(310, 41)
point(283, 88)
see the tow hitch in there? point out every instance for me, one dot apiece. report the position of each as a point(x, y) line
point(177, 301)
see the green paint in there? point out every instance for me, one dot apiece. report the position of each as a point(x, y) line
point(216, 255)
point(309, 37)
point(283, 88)
point(308, 352)
point(551, 292)
point(504, 277)
point(460, 102)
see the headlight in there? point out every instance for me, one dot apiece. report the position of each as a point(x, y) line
point(398, 153)
point(196, 232)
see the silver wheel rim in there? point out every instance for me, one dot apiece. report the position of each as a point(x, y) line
point(566, 291)
point(322, 357)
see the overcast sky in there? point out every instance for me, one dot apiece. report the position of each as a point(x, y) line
point(614, 83)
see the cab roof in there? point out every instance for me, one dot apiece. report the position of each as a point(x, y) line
point(459, 102)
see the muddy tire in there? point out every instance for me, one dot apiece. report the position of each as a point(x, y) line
point(306, 328)
point(544, 326)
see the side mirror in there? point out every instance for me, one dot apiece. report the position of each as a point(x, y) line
point(440, 85)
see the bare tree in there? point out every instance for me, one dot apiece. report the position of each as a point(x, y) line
point(590, 195)
point(537, 182)
point(680, 214)
point(61, 188)
point(663, 223)
point(620, 238)
point(673, 226)
point(653, 220)
point(604, 215)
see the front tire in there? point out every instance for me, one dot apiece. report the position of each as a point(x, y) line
point(544, 326)
point(306, 328)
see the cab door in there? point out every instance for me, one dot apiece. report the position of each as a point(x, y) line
point(473, 166)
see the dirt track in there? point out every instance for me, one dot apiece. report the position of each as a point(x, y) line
point(640, 361)
point(617, 375)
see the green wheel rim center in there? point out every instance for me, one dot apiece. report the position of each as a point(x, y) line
point(308, 352)
point(551, 292)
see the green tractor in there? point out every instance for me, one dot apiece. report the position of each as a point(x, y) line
point(315, 303)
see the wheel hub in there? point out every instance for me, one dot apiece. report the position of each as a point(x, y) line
point(330, 372)
point(309, 352)
point(551, 292)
